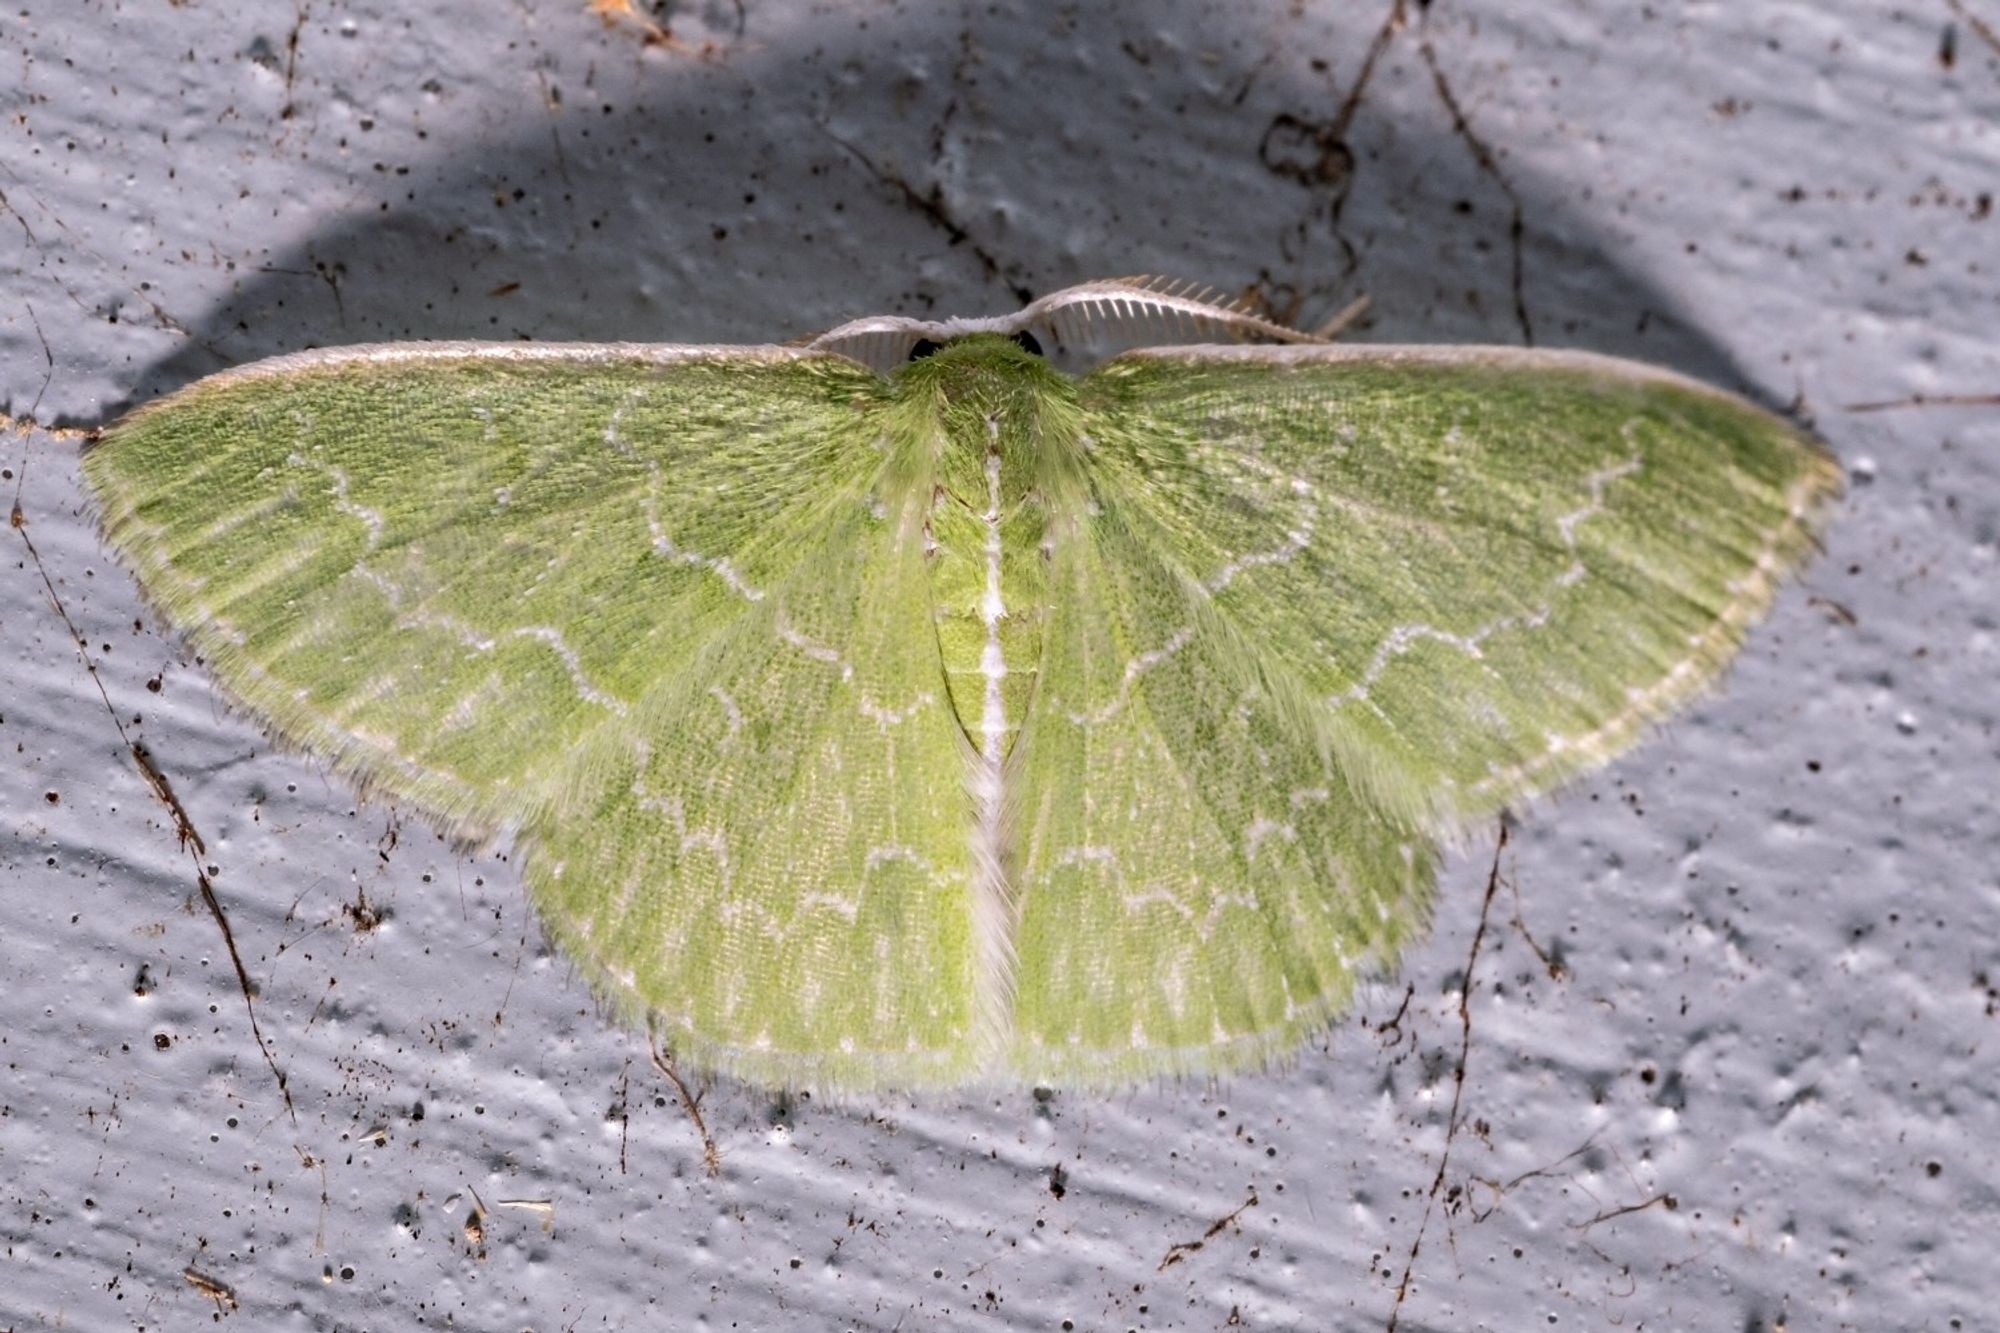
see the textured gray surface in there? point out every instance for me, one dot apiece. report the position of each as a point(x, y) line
point(1777, 922)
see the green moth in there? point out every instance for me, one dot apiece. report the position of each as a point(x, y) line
point(900, 709)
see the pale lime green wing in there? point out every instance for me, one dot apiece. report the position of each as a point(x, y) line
point(443, 566)
point(637, 604)
point(772, 859)
point(1321, 606)
point(1479, 571)
point(1199, 885)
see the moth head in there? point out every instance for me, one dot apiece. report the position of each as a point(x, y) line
point(1073, 330)
point(982, 373)
point(1021, 338)
point(888, 343)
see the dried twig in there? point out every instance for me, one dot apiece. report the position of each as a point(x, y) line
point(711, 1156)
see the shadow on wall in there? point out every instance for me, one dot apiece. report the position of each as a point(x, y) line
point(945, 165)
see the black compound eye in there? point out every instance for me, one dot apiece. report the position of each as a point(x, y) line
point(1028, 343)
point(924, 347)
